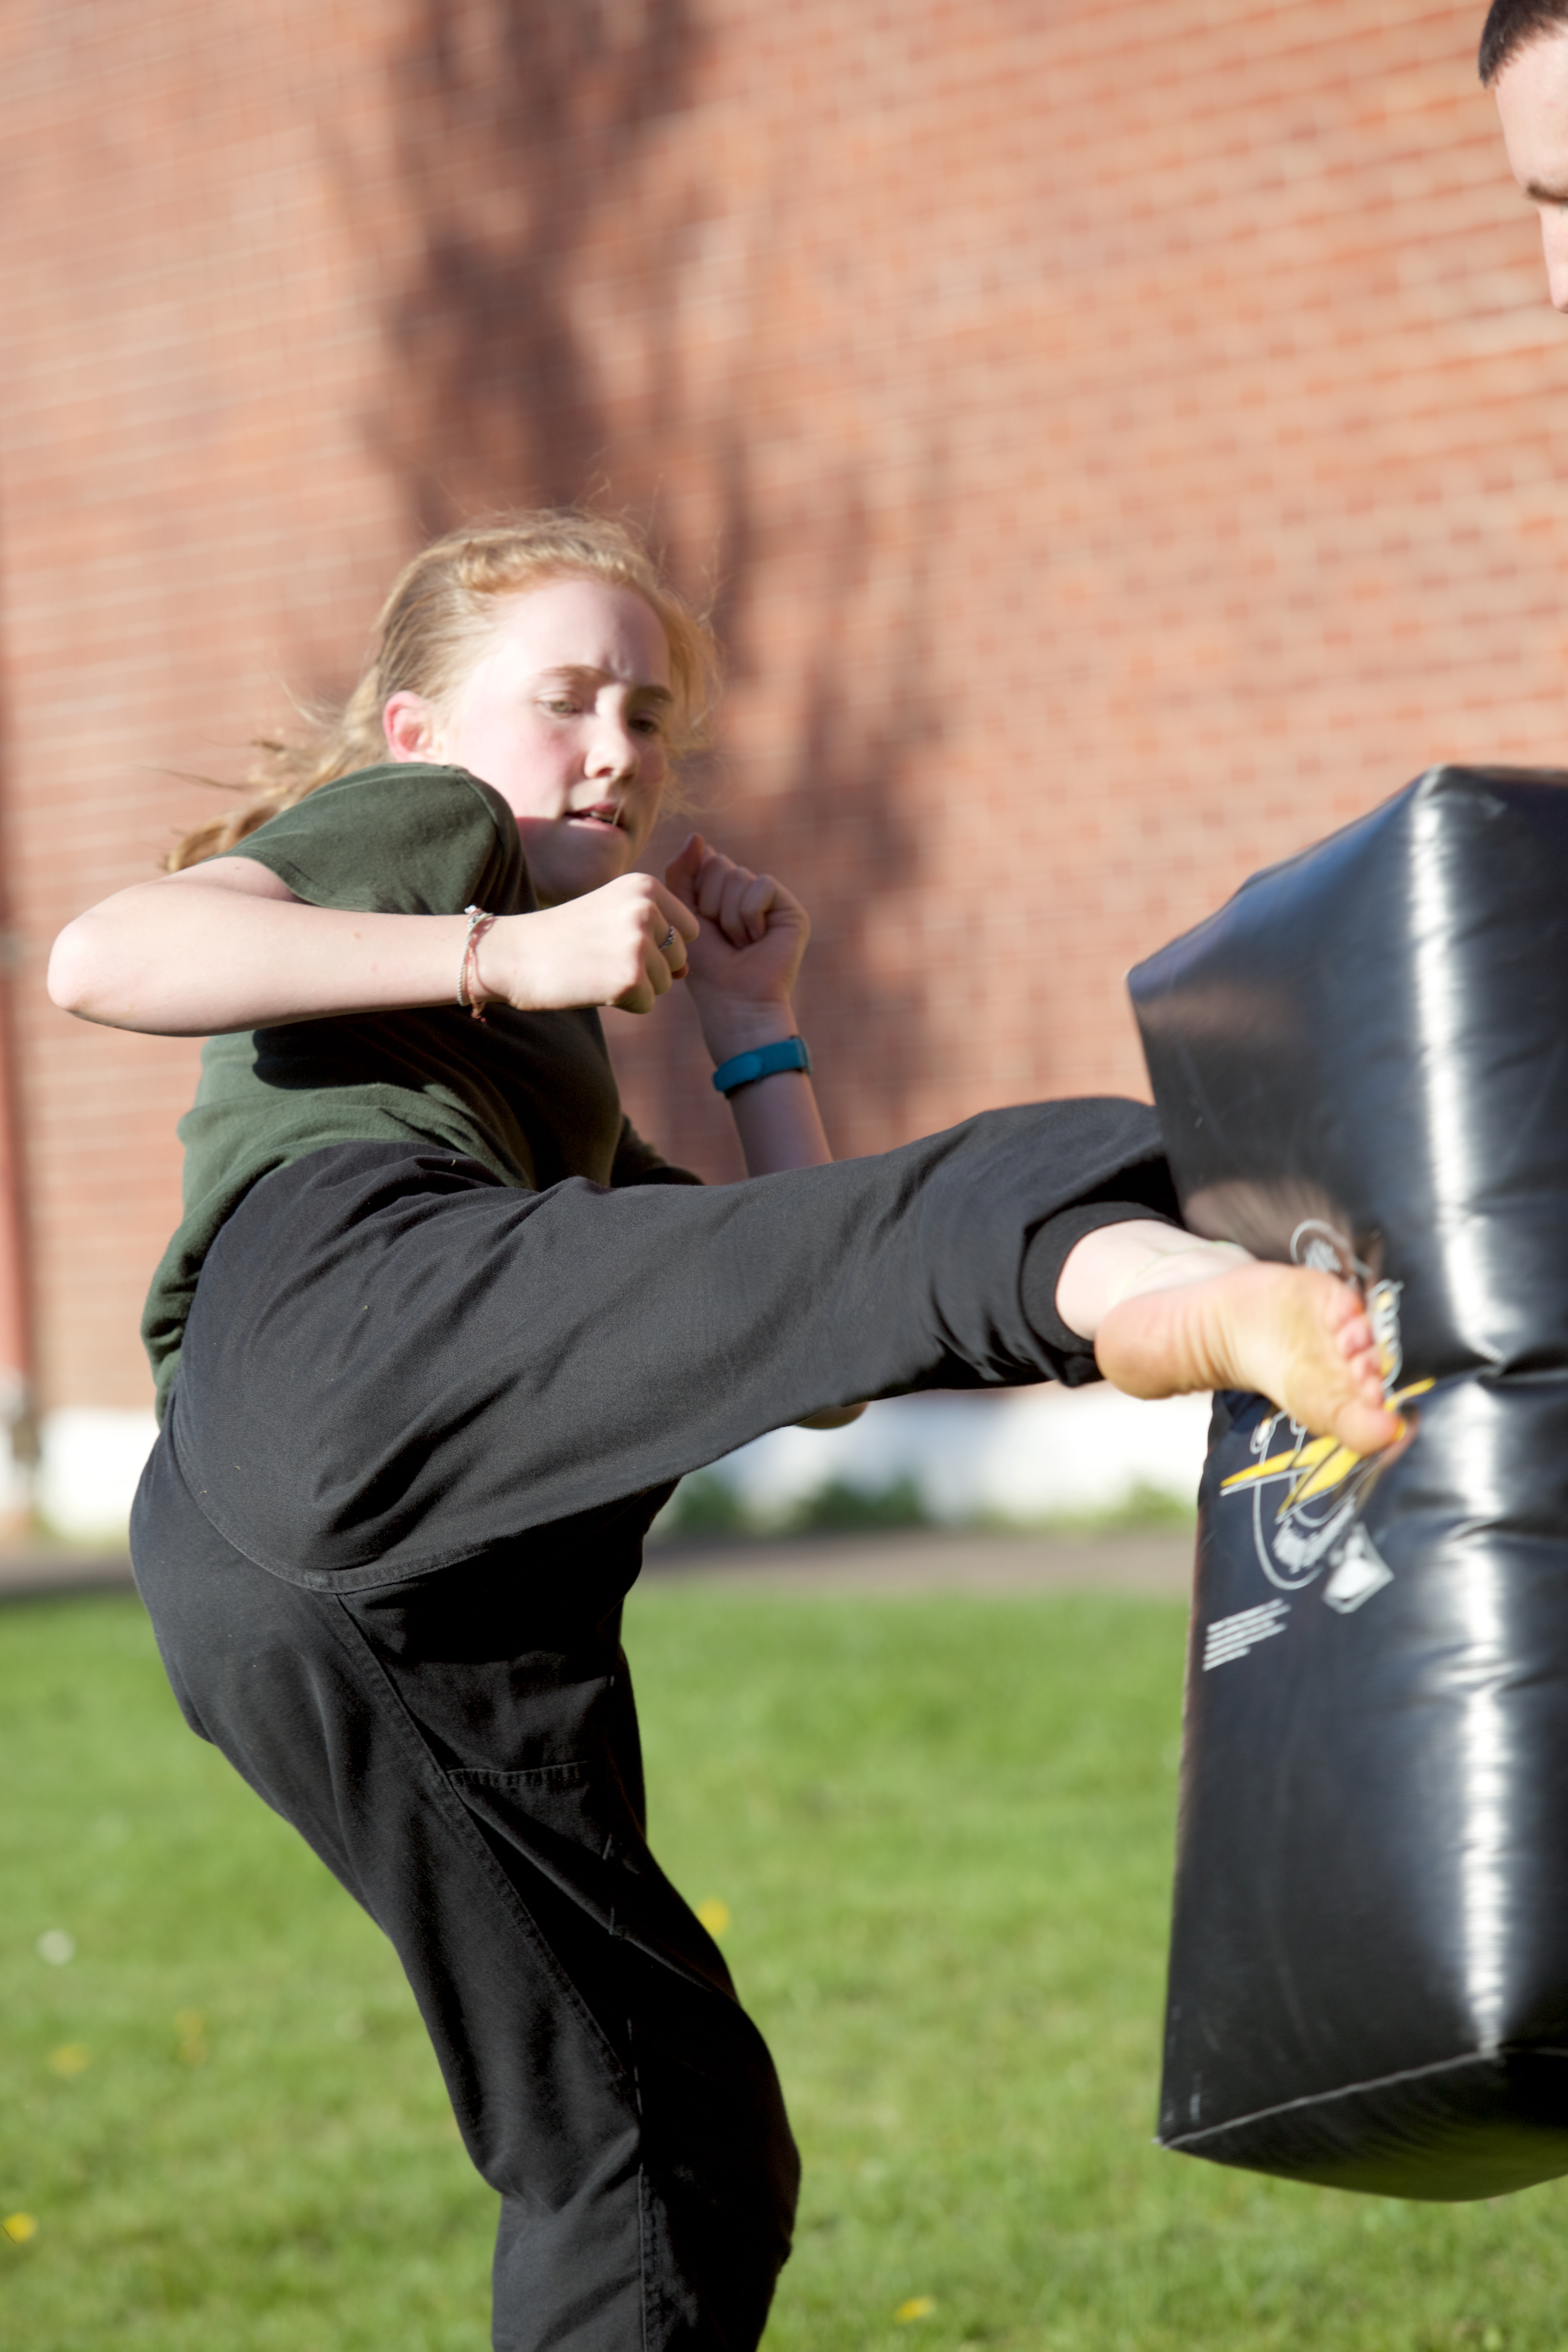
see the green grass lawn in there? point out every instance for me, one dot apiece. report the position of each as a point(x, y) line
point(942, 1831)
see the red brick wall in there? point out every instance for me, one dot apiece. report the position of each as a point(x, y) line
point(1124, 441)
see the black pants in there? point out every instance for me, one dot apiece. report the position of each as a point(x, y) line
point(420, 1426)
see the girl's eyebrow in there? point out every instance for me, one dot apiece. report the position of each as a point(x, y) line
point(584, 674)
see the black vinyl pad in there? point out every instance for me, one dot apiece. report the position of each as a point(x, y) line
point(1362, 1063)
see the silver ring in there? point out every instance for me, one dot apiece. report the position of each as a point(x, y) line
point(668, 942)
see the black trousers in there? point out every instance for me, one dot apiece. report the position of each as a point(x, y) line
point(420, 1427)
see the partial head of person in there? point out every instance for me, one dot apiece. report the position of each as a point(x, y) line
point(545, 653)
point(1524, 64)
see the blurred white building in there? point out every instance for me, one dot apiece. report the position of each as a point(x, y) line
point(1020, 1454)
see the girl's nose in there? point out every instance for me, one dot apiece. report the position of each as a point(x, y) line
point(615, 751)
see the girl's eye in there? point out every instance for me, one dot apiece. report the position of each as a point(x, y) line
point(648, 722)
point(561, 704)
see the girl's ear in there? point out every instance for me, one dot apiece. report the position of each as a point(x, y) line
point(410, 726)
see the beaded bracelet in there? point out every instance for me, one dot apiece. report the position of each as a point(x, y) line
point(479, 923)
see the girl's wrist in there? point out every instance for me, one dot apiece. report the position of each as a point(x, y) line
point(729, 1029)
point(486, 958)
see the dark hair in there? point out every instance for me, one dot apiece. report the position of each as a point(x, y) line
point(1509, 24)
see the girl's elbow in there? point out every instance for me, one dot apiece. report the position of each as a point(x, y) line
point(75, 976)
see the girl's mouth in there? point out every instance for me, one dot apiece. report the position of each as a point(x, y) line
point(609, 818)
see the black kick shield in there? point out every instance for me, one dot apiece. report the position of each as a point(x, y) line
point(1362, 1063)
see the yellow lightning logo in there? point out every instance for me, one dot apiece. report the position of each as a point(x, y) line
point(1320, 1465)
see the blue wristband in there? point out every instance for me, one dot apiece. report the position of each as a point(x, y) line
point(745, 1070)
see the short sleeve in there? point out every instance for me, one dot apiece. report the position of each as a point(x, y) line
point(637, 1162)
point(398, 840)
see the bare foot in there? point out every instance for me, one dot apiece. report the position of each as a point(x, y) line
point(1298, 1336)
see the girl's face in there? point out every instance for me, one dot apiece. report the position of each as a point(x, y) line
point(565, 714)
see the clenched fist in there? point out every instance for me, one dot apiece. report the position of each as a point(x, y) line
point(621, 945)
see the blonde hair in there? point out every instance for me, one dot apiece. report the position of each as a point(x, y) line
point(432, 630)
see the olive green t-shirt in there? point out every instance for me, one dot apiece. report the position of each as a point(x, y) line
point(529, 1094)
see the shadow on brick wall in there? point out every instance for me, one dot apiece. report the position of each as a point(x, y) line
point(521, 126)
point(533, 325)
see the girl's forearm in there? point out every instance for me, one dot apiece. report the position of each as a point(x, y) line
point(776, 1119)
point(182, 960)
point(780, 1125)
point(228, 946)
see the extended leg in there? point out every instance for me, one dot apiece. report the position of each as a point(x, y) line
point(392, 1361)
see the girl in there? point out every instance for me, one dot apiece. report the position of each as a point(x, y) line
point(439, 1331)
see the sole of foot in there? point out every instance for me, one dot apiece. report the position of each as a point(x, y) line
point(1298, 1336)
